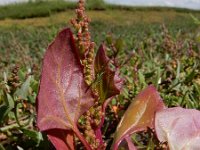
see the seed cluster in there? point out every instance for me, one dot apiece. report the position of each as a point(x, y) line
point(86, 53)
point(13, 81)
point(83, 41)
point(169, 45)
point(89, 132)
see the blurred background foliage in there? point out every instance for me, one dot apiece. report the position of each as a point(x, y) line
point(159, 46)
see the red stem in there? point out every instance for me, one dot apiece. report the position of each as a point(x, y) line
point(82, 139)
point(97, 130)
point(105, 104)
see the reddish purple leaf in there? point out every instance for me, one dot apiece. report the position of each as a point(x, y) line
point(179, 127)
point(139, 115)
point(61, 139)
point(109, 83)
point(63, 96)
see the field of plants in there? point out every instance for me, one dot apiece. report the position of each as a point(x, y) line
point(159, 46)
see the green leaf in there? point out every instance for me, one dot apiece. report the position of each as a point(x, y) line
point(1, 147)
point(109, 39)
point(23, 92)
point(3, 111)
point(6, 107)
point(197, 88)
point(141, 78)
point(34, 135)
point(196, 20)
point(119, 44)
point(9, 101)
point(190, 76)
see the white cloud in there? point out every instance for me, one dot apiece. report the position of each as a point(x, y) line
point(193, 4)
point(10, 1)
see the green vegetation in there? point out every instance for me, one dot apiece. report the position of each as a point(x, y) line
point(96, 5)
point(34, 9)
point(44, 8)
point(165, 55)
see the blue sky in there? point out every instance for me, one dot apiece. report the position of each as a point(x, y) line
point(194, 4)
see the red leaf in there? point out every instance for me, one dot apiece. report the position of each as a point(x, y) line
point(62, 139)
point(63, 96)
point(179, 127)
point(109, 83)
point(139, 115)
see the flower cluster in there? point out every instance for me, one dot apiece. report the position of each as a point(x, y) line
point(83, 41)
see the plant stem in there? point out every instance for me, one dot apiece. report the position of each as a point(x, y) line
point(82, 139)
point(15, 125)
point(16, 115)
